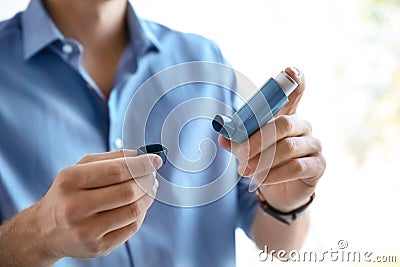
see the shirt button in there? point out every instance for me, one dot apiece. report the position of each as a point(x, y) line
point(68, 49)
point(118, 143)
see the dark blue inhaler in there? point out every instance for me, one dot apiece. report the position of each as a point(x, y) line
point(257, 111)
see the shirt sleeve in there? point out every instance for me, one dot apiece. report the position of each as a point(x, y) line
point(247, 202)
point(247, 206)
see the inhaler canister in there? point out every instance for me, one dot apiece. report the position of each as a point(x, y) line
point(258, 110)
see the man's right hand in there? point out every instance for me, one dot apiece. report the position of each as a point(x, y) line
point(93, 206)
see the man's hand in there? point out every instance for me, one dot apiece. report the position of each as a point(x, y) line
point(297, 162)
point(96, 205)
point(91, 208)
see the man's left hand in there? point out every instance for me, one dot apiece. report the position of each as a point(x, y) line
point(287, 167)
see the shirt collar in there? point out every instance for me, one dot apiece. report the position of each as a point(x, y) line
point(141, 35)
point(39, 31)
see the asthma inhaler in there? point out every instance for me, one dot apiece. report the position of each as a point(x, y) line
point(257, 111)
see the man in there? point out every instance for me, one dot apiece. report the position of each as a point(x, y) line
point(68, 71)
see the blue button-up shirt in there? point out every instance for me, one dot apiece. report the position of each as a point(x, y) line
point(52, 114)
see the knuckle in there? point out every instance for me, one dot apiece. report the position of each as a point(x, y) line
point(286, 123)
point(291, 145)
point(64, 173)
point(299, 166)
point(127, 192)
point(82, 235)
point(151, 201)
point(63, 178)
point(134, 210)
point(114, 170)
point(95, 249)
point(323, 161)
point(134, 227)
point(318, 145)
point(145, 204)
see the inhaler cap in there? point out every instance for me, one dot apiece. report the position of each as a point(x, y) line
point(157, 149)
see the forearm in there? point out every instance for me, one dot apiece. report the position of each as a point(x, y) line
point(22, 242)
point(267, 231)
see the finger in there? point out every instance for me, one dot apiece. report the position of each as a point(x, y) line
point(282, 127)
point(290, 108)
point(312, 181)
point(118, 218)
point(295, 97)
point(307, 168)
point(120, 235)
point(286, 149)
point(257, 163)
point(93, 201)
point(225, 143)
point(295, 147)
point(114, 239)
point(113, 171)
point(108, 155)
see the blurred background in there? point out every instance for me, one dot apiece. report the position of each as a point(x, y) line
point(350, 54)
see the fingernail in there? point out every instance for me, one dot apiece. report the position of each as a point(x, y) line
point(156, 183)
point(295, 70)
point(157, 162)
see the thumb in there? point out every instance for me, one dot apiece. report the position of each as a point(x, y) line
point(225, 143)
point(295, 96)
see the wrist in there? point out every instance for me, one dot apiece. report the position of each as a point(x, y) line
point(285, 204)
point(284, 216)
point(22, 242)
point(45, 235)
